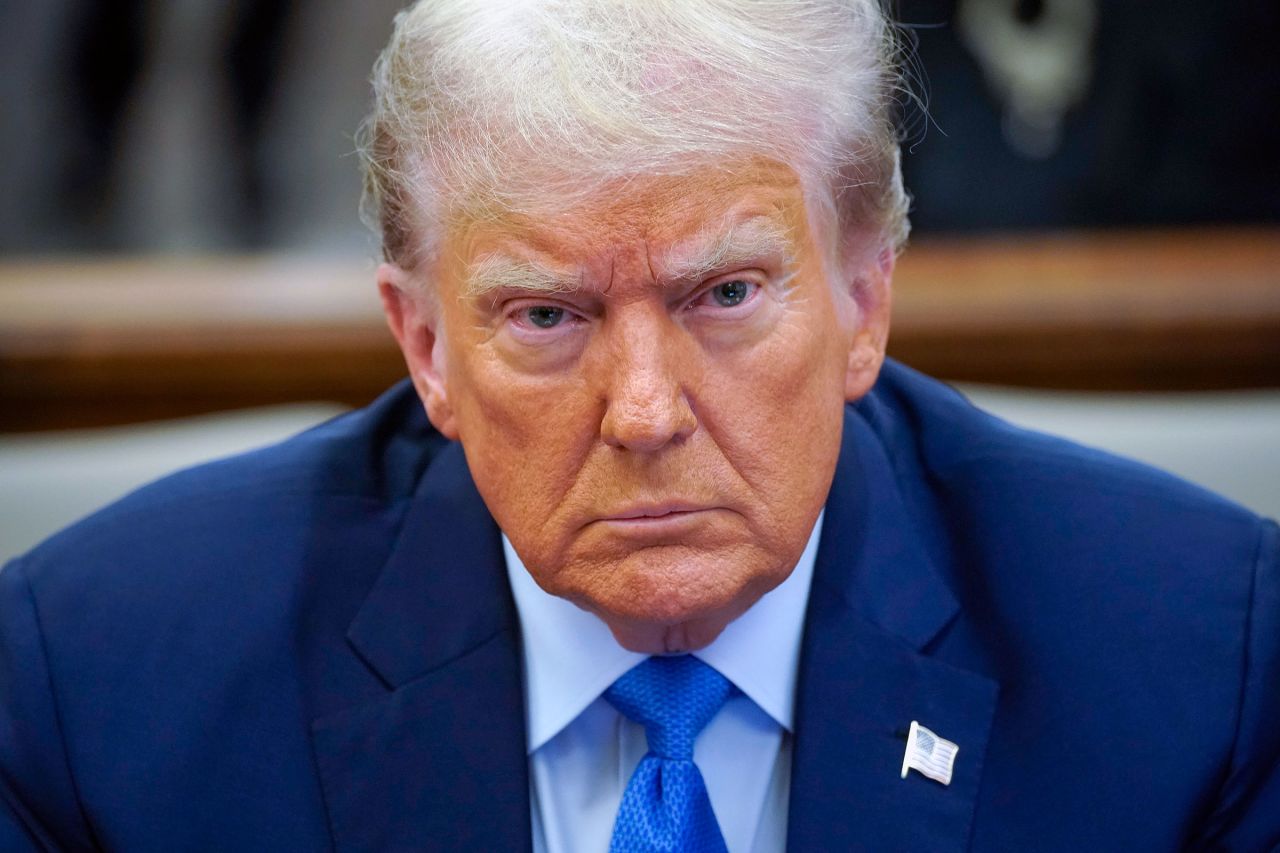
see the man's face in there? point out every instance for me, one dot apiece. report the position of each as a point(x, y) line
point(649, 389)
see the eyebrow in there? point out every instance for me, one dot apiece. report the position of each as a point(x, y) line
point(745, 242)
point(499, 272)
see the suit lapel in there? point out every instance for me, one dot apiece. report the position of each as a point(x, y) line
point(439, 762)
point(877, 601)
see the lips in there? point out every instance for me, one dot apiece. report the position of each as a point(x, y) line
point(662, 510)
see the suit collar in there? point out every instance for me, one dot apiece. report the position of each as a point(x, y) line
point(873, 557)
point(442, 591)
point(438, 762)
point(878, 600)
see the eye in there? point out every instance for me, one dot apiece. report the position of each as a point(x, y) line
point(727, 294)
point(540, 322)
point(731, 293)
point(545, 316)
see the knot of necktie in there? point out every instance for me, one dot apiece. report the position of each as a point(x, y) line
point(673, 698)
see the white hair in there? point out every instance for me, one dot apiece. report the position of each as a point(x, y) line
point(491, 106)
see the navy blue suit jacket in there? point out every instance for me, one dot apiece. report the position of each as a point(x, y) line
point(314, 647)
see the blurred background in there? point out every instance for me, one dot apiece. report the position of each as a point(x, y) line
point(192, 125)
point(1097, 216)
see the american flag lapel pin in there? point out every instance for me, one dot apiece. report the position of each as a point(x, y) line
point(929, 755)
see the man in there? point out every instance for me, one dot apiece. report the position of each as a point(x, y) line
point(678, 561)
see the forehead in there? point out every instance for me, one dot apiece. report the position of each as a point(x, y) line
point(642, 214)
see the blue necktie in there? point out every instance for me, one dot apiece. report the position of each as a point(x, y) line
point(665, 806)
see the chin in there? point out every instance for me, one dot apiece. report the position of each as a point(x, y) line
point(671, 590)
point(673, 627)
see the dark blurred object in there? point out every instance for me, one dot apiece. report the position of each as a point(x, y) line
point(183, 125)
point(89, 344)
point(190, 125)
point(1179, 122)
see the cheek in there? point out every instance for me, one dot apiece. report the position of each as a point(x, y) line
point(798, 368)
point(525, 437)
point(776, 412)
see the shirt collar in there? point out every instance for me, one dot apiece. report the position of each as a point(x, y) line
point(570, 656)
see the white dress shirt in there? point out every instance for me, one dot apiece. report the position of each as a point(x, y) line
point(582, 752)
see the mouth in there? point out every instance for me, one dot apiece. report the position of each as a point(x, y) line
point(652, 512)
point(667, 521)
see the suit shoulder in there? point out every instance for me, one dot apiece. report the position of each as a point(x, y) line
point(207, 525)
point(967, 451)
point(1015, 510)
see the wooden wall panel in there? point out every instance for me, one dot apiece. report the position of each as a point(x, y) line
point(95, 342)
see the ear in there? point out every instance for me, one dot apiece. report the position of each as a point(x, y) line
point(870, 291)
point(414, 319)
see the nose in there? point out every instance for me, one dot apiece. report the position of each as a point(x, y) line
point(647, 403)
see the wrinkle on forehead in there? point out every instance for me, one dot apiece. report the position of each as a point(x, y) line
point(714, 250)
point(659, 222)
